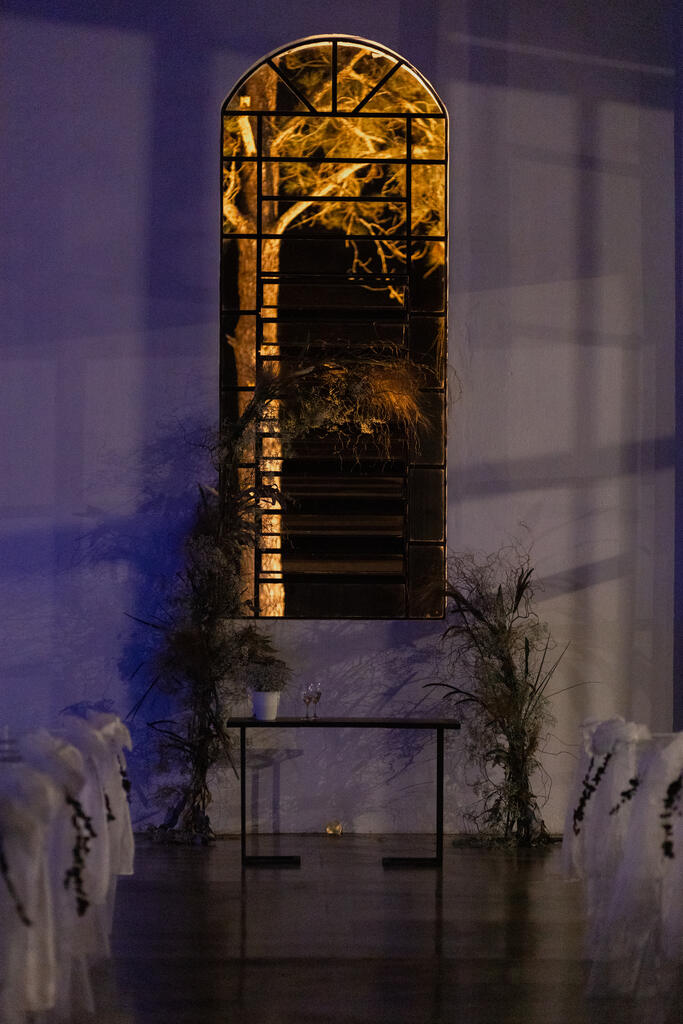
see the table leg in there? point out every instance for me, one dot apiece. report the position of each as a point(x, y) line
point(428, 862)
point(439, 795)
point(250, 860)
point(243, 795)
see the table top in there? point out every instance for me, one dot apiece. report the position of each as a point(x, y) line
point(346, 723)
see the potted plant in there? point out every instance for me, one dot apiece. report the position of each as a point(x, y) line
point(265, 682)
point(265, 675)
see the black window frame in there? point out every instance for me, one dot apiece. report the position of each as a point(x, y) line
point(423, 492)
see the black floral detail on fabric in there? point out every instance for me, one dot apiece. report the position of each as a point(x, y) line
point(18, 905)
point(626, 794)
point(589, 787)
point(110, 814)
point(125, 781)
point(84, 831)
point(671, 807)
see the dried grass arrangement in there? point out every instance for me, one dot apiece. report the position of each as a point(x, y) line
point(499, 658)
point(371, 397)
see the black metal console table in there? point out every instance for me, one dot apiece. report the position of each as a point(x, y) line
point(438, 724)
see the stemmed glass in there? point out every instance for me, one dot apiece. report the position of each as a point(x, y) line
point(307, 696)
point(317, 694)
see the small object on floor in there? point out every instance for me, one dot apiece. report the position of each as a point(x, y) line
point(334, 828)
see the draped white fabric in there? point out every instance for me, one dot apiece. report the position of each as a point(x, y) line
point(624, 838)
point(65, 835)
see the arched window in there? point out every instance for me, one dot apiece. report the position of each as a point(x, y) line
point(334, 246)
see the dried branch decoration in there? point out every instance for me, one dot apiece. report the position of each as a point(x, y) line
point(499, 656)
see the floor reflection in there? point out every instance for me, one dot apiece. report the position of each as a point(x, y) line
point(497, 936)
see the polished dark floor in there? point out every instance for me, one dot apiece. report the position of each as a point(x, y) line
point(495, 938)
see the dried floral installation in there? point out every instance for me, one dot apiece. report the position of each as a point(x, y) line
point(206, 646)
point(498, 656)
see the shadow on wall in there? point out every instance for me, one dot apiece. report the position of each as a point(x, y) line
point(480, 42)
point(149, 545)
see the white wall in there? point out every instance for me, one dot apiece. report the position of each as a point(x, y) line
point(561, 311)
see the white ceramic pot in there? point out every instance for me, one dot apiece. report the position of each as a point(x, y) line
point(265, 703)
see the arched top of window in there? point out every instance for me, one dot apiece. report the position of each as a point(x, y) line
point(333, 255)
point(335, 74)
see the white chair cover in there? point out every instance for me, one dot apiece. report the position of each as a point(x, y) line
point(640, 933)
point(28, 805)
point(65, 794)
point(634, 891)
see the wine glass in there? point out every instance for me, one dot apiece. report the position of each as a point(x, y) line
point(316, 693)
point(307, 696)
